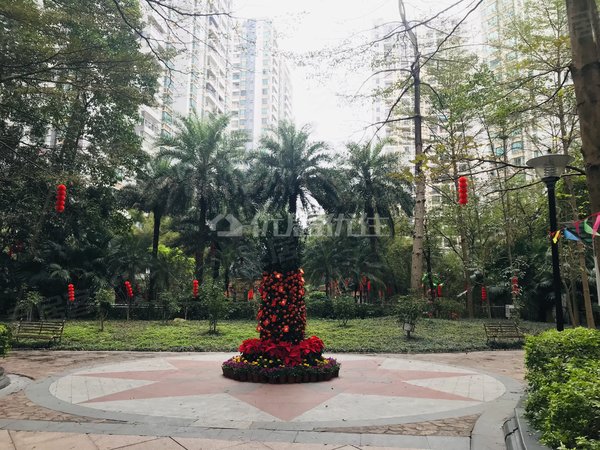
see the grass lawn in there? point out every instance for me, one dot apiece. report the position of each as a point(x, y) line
point(382, 335)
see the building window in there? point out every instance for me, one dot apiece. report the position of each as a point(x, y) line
point(518, 145)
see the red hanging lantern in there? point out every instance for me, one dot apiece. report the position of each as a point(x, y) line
point(71, 292)
point(439, 290)
point(514, 281)
point(250, 294)
point(195, 288)
point(463, 191)
point(483, 294)
point(128, 289)
point(61, 196)
point(369, 286)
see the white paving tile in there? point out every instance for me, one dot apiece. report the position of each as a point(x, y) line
point(410, 364)
point(78, 389)
point(478, 387)
point(216, 409)
point(365, 407)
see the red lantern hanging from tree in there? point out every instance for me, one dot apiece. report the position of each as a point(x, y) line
point(61, 196)
point(483, 294)
point(515, 285)
point(463, 191)
point(250, 294)
point(128, 289)
point(439, 290)
point(71, 292)
point(195, 288)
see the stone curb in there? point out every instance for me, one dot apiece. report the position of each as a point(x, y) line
point(518, 434)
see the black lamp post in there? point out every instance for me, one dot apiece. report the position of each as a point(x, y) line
point(549, 168)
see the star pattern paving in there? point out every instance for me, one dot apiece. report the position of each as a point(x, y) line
point(192, 377)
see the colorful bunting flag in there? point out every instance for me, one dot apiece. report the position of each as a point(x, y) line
point(556, 237)
point(570, 236)
point(596, 226)
point(587, 228)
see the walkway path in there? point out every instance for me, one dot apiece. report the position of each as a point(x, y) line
point(180, 400)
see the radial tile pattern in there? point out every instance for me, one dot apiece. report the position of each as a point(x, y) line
point(192, 387)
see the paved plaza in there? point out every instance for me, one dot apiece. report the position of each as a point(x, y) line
point(106, 400)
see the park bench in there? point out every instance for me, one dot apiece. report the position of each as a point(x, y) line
point(50, 331)
point(503, 331)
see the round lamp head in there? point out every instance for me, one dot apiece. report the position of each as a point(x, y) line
point(550, 166)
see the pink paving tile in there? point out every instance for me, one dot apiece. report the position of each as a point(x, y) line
point(5, 441)
point(286, 401)
point(113, 441)
point(166, 443)
point(51, 441)
point(188, 378)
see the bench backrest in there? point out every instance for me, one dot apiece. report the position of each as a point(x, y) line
point(509, 326)
point(40, 327)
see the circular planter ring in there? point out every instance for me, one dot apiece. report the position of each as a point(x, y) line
point(256, 377)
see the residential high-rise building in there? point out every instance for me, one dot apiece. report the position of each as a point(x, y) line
point(195, 76)
point(156, 120)
point(393, 56)
point(261, 93)
point(496, 17)
point(201, 69)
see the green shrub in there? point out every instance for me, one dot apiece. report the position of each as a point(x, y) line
point(169, 303)
point(4, 340)
point(213, 302)
point(446, 308)
point(241, 309)
point(563, 391)
point(30, 304)
point(344, 309)
point(369, 310)
point(574, 408)
point(565, 345)
point(319, 307)
point(104, 299)
point(408, 312)
point(316, 295)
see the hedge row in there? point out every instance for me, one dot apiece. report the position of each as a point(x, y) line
point(563, 376)
point(4, 339)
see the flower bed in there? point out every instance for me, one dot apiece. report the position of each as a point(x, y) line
point(265, 361)
point(263, 370)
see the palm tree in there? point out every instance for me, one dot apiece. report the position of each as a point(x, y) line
point(206, 163)
point(373, 178)
point(157, 191)
point(327, 259)
point(289, 167)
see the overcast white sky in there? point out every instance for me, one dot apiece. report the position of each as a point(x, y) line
point(311, 25)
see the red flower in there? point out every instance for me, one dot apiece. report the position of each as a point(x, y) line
point(251, 346)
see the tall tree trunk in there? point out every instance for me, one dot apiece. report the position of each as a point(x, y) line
point(587, 300)
point(216, 260)
point(226, 280)
point(155, 240)
point(432, 291)
point(292, 204)
point(584, 30)
point(202, 239)
point(416, 273)
point(370, 219)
